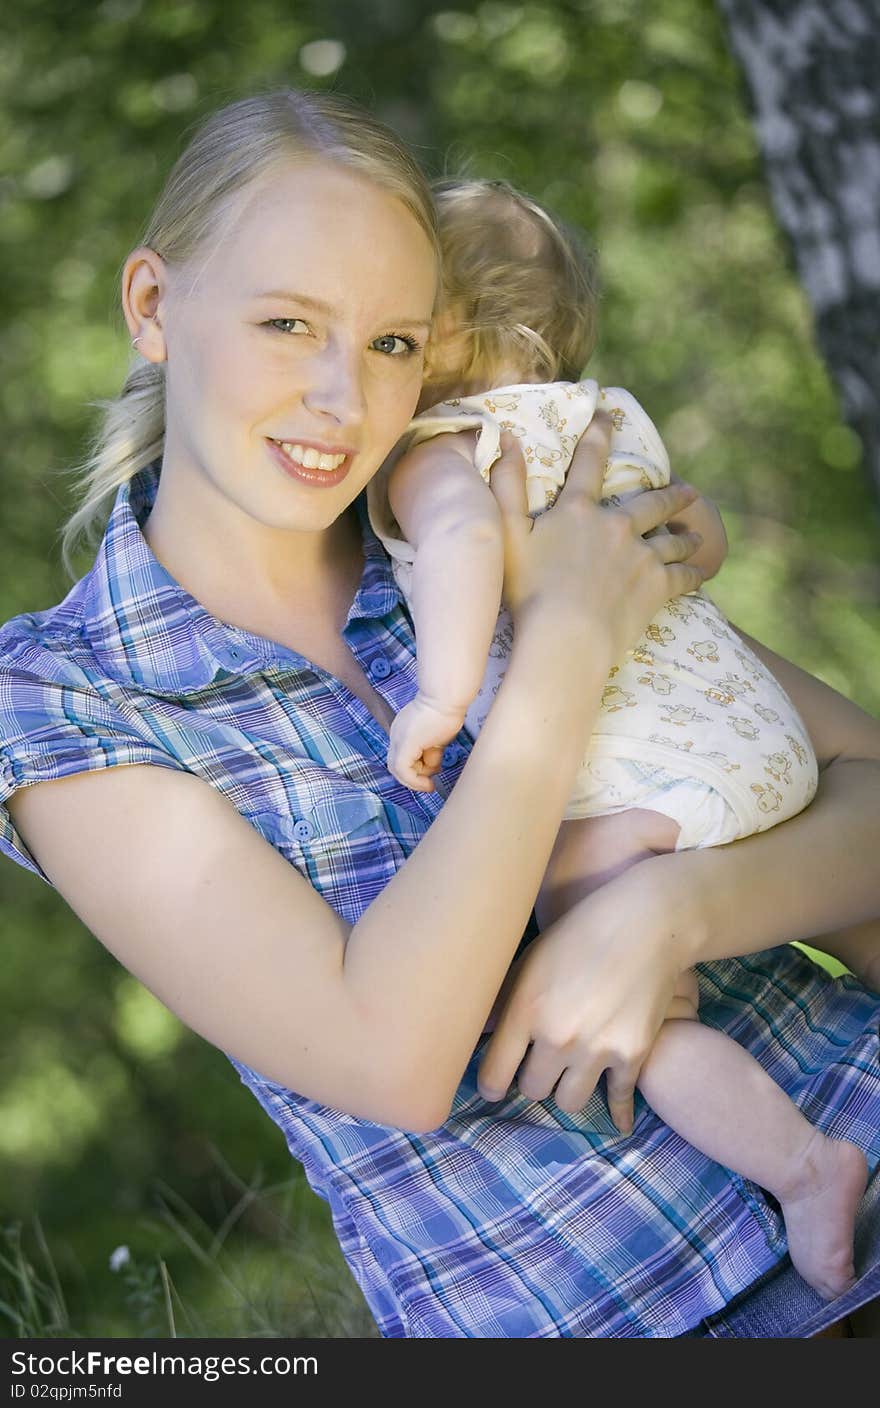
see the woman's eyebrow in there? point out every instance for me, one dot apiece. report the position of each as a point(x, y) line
point(319, 306)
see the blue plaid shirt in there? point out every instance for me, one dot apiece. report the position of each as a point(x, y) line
point(512, 1220)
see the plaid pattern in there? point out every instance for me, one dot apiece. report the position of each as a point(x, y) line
point(513, 1220)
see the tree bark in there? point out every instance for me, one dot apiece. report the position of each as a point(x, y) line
point(812, 69)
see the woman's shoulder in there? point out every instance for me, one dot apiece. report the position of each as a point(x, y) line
point(40, 639)
point(41, 646)
point(47, 662)
point(60, 714)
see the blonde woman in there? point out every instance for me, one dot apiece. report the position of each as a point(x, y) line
point(193, 754)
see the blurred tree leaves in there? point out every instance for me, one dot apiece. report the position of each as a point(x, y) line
point(628, 119)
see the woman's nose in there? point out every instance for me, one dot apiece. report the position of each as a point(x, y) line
point(336, 386)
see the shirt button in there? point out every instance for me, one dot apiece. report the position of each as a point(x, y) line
point(380, 667)
point(303, 831)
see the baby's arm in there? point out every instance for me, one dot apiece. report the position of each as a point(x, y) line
point(450, 516)
point(702, 517)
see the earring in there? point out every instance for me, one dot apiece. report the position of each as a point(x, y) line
point(136, 340)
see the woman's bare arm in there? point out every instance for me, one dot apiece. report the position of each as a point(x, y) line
point(377, 1019)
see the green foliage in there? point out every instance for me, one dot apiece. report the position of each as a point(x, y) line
point(31, 1299)
point(627, 118)
point(256, 1263)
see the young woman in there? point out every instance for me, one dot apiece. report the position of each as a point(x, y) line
point(194, 747)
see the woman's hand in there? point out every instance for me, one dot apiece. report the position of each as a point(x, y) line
point(588, 560)
point(590, 994)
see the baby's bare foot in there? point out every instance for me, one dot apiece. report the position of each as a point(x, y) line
point(820, 1209)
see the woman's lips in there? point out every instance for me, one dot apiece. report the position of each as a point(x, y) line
point(311, 474)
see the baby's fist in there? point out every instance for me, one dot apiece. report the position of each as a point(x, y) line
point(418, 736)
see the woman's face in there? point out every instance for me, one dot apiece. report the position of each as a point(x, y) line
point(305, 328)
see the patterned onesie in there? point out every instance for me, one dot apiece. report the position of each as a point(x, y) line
point(691, 723)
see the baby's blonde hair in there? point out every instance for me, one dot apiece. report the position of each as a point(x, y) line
point(520, 284)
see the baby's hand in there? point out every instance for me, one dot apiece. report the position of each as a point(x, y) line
point(418, 736)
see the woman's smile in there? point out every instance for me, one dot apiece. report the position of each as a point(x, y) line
point(310, 465)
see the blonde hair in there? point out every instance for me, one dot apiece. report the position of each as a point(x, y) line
point(232, 149)
point(520, 283)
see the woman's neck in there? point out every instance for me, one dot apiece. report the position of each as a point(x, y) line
point(248, 574)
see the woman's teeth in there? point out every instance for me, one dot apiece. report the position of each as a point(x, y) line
point(309, 458)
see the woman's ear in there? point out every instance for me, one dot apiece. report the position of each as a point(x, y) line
point(144, 286)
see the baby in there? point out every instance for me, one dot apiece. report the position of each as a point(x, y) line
point(696, 743)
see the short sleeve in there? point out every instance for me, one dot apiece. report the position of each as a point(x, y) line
point(53, 724)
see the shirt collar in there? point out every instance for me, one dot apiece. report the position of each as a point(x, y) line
point(146, 629)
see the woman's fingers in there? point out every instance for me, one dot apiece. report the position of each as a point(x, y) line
point(682, 578)
point(588, 462)
point(576, 1086)
point(587, 556)
point(620, 1086)
point(673, 550)
point(508, 479)
point(544, 1070)
point(541, 1070)
point(676, 547)
point(655, 506)
point(502, 1059)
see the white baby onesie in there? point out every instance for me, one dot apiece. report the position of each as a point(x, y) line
point(691, 723)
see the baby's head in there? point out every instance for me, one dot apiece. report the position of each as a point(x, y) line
point(518, 299)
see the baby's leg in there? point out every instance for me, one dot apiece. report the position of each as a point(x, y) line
point(714, 1093)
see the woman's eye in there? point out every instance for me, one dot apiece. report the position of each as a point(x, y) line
point(394, 345)
point(287, 325)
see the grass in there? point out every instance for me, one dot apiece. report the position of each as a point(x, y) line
point(263, 1271)
point(32, 1303)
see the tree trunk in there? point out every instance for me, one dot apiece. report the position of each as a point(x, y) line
point(812, 69)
